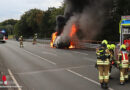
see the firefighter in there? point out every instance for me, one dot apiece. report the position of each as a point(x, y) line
point(35, 39)
point(123, 64)
point(103, 64)
point(21, 41)
point(112, 51)
point(113, 48)
point(112, 61)
point(110, 58)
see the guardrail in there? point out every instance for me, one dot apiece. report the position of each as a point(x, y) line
point(44, 41)
point(84, 44)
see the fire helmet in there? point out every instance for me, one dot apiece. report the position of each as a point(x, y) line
point(105, 42)
point(113, 46)
point(108, 46)
point(123, 46)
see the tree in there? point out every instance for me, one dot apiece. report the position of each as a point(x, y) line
point(49, 20)
point(8, 25)
point(29, 23)
point(110, 30)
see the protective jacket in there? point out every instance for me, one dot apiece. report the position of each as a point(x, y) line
point(103, 56)
point(123, 59)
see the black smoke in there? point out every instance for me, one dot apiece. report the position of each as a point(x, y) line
point(60, 23)
point(88, 15)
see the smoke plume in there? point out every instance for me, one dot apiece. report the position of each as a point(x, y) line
point(87, 15)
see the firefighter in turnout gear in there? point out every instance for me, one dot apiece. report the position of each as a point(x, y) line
point(110, 58)
point(112, 61)
point(123, 64)
point(21, 41)
point(103, 64)
point(112, 50)
point(35, 39)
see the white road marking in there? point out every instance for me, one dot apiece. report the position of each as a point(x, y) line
point(40, 57)
point(49, 53)
point(9, 87)
point(52, 70)
point(79, 52)
point(12, 76)
point(89, 79)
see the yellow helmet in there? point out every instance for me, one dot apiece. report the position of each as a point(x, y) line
point(109, 46)
point(21, 36)
point(123, 46)
point(113, 46)
point(104, 42)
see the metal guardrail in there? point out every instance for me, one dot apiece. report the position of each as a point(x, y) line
point(39, 41)
point(89, 45)
point(82, 44)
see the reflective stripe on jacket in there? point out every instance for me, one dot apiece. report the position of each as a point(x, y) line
point(100, 62)
point(124, 59)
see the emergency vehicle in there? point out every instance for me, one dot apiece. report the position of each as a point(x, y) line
point(124, 30)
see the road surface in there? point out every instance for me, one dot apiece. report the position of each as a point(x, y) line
point(39, 67)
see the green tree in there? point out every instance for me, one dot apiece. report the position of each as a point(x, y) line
point(49, 20)
point(8, 25)
point(110, 30)
point(29, 23)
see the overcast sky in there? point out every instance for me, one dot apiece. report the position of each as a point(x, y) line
point(15, 8)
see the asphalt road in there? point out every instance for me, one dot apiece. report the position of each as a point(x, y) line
point(40, 67)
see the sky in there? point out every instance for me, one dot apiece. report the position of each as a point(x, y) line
point(13, 9)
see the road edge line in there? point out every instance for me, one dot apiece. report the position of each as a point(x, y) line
point(89, 79)
point(15, 81)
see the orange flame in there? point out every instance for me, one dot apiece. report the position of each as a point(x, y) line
point(72, 45)
point(73, 30)
point(72, 33)
point(54, 35)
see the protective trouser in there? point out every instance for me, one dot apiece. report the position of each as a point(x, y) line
point(123, 75)
point(129, 68)
point(21, 44)
point(104, 73)
point(110, 69)
point(34, 41)
point(111, 60)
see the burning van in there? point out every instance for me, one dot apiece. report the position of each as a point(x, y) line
point(62, 41)
point(58, 43)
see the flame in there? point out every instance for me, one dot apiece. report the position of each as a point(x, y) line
point(72, 33)
point(54, 35)
point(72, 45)
point(73, 30)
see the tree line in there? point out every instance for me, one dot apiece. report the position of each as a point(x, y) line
point(34, 21)
point(44, 22)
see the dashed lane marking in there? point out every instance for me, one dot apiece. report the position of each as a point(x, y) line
point(80, 52)
point(89, 79)
point(52, 70)
point(49, 53)
point(40, 57)
point(15, 81)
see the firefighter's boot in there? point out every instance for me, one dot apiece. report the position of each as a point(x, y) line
point(102, 85)
point(105, 86)
point(122, 83)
